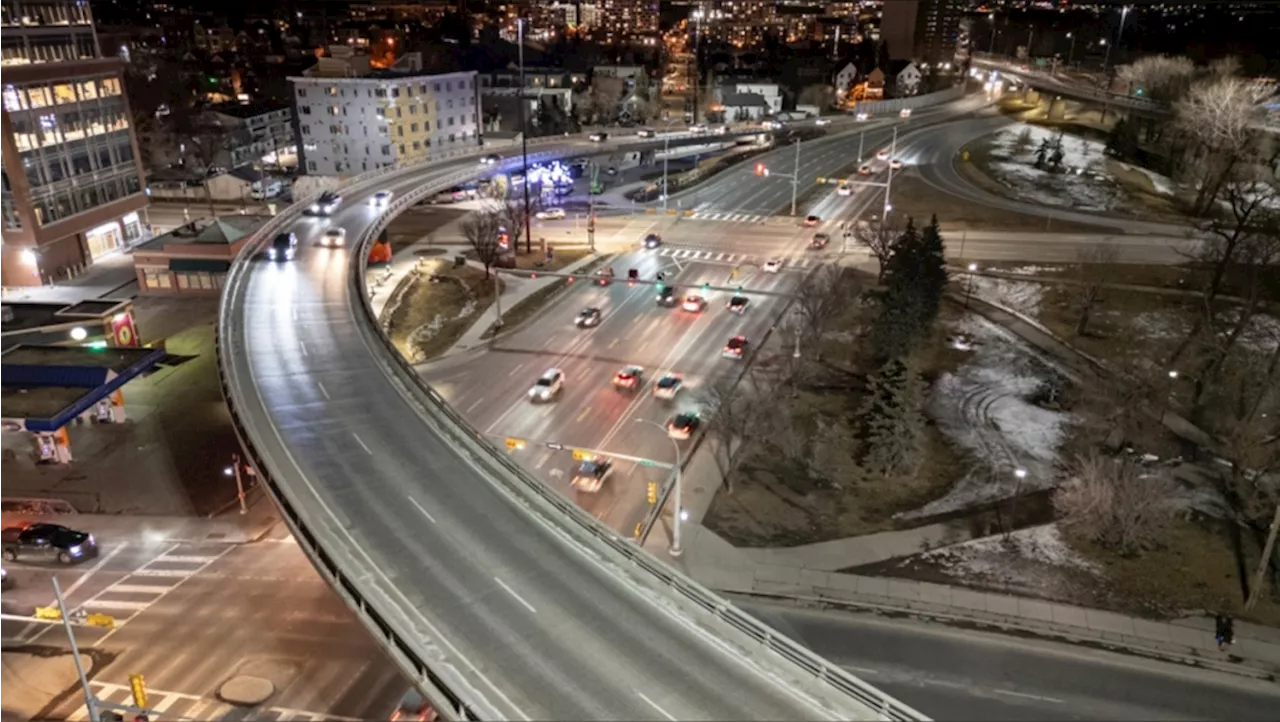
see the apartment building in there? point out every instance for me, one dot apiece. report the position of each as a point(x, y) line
point(73, 188)
point(350, 119)
point(264, 132)
point(924, 30)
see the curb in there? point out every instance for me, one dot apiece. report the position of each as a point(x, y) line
point(1071, 635)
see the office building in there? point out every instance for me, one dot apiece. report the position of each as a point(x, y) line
point(922, 30)
point(351, 119)
point(73, 188)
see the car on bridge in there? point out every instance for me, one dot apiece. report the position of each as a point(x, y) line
point(490, 159)
point(862, 116)
point(283, 247)
point(738, 304)
point(598, 137)
point(735, 348)
point(646, 133)
point(47, 542)
point(381, 198)
point(326, 204)
point(905, 113)
point(682, 426)
point(335, 237)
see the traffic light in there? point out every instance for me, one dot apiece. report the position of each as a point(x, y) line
point(569, 279)
point(738, 291)
point(662, 287)
point(533, 276)
point(706, 287)
point(653, 492)
point(762, 169)
point(1140, 92)
point(139, 687)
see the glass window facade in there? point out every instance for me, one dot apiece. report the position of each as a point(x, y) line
point(75, 144)
point(46, 31)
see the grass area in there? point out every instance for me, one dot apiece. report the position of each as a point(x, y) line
point(776, 504)
point(532, 305)
point(418, 222)
point(562, 258)
point(432, 316)
point(912, 197)
point(1195, 569)
point(1180, 277)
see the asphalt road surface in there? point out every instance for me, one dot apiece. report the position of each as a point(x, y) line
point(955, 674)
point(530, 621)
point(490, 387)
point(739, 190)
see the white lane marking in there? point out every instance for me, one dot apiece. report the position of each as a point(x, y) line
point(39, 632)
point(512, 592)
point(422, 511)
point(360, 441)
point(183, 559)
point(139, 588)
point(303, 345)
point(324, 391)
point(654, 705)
point(1011, 693)
point(160, 573)
point(474, 404)
point(117, 604)
point(863, 670)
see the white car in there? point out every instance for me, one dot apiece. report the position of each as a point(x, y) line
point(721, 129)
point(551, 214)
point(862, 116)
point(548, 386)
point(490, 159)
point(381, 198)
point(698, 129)
point(645, 133)
point(882, 154)
point(598, 137)
point(773, 265)
point(906, 113)
point(821, 121)
point(844, 189)
point(591, 475)
point(334, 238)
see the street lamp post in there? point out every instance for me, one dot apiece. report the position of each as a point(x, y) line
point(524, 139)
point(795, 178)
point(968, 286)
point(992, 19)
point(675, 549)
point(1106, 59)
point(1071, 51)
point(888, 185)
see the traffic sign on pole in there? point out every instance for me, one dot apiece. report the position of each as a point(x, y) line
point(515, 444)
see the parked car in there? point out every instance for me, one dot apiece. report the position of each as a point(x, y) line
point(47, 542)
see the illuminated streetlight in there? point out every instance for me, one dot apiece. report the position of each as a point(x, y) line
point(79, 334)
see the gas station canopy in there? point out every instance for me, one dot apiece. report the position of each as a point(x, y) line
point(44, 387)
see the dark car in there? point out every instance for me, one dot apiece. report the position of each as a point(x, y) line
point(591, 475)
point(682, 426)
point(604, 276)
point(48, 542)
point(653, 240)
point(326, 204)
point(283, 247)
point(587, 318)
point(668, 297)
point(819, 242)
point(738, 304)
point(736, 347)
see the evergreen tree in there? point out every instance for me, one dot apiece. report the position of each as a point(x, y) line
point(1122, 142)
point(893, 422)
point(915, 276)
point(1042, 153)
point(931, 272)
point(1055, 160)
point(1021, 143)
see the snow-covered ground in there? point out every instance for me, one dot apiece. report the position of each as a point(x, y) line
point(1261, 335)
point(1035, 560)
point(1162, 183)
point(988, 406)
point(1083, 182)
point(1021, 296)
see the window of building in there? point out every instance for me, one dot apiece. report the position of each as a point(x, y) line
point(333, 110)
point(451, 121)
point(333, 90)
point(397, 112)
point(380, 93)
point(438, 124)
point(448, 86)
point(395, 92)
point(386, 150)
point(381, 112)
point(302, 92)
point(402, 149)
point(413, 127)
point(417, 145)
point(413, 109)
point(400, 130)
point(156, 279)
point(451, 138)
point(435, 88)
point(306, 129)
point(473, 117)
point(449, 105)
point(304, 109)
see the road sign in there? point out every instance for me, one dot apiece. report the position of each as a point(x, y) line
point(648, 462)
point(515, 444)
point(97, 619)
point(139, 688)
point(555, 445)
point(51, 613)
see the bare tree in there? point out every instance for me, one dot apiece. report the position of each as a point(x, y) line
point(736, 413)
point(1116, 503)
point(209, 144)
point(1219, 116)
point(879, 239)
point(1248, 422)
point(826, 293)
point(481, 231)
point(514, 215)
point(1162, 77)
point(1089, 290)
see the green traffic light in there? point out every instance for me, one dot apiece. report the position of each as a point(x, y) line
point(706, 287)
point(738, 291)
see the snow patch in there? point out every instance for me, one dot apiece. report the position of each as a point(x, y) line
point(1033, 270)
point(1082, 183)
point(1021, 296)
point(1162, 183)
point(986, 407)
point(1042, 544)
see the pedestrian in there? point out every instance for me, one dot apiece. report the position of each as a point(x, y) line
point(1225, 632)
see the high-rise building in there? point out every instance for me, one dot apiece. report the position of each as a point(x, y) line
point(351, 119)
point(923, 30)
point(624, 19)
point(73, 182)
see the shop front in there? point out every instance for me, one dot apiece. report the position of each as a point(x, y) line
point(104, 239)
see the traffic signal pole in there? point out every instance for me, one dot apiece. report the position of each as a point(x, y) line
point(795, 179)
point(90, 702)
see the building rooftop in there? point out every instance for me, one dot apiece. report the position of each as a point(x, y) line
point(27, 316)
point(745, 100)
point(218, 231)
point(47, 386)
point(248, 110)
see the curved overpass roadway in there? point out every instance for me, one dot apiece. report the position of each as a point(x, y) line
point(501, 602)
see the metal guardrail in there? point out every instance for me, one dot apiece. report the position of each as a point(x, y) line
point(512, 478)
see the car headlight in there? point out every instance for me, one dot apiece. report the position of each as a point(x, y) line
point(271, 253)
point(74, 550)
point(315, 207)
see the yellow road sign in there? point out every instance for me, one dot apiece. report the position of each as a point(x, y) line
point(515, 444)
point(653, 492)
point(52, 613)
point(97, 619)
point(821, 179)
point(580, 455)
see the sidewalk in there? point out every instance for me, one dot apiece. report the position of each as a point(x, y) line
point(111, 276)
point(1190, 640)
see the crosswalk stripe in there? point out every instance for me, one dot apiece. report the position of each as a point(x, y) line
point(165, 703)
point(183, 559)
point(117, 604)
point(138, 588)
point(79, 714)
point(162, 573)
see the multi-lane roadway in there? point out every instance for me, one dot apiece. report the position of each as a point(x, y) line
point(515, 614)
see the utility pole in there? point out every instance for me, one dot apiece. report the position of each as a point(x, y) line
point(795, 178)
point(666, 147)
point(1260, 577)
point(593, 172)
point(524, 141)
point(861, 136)
point(888, 185)
point(90, 702)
